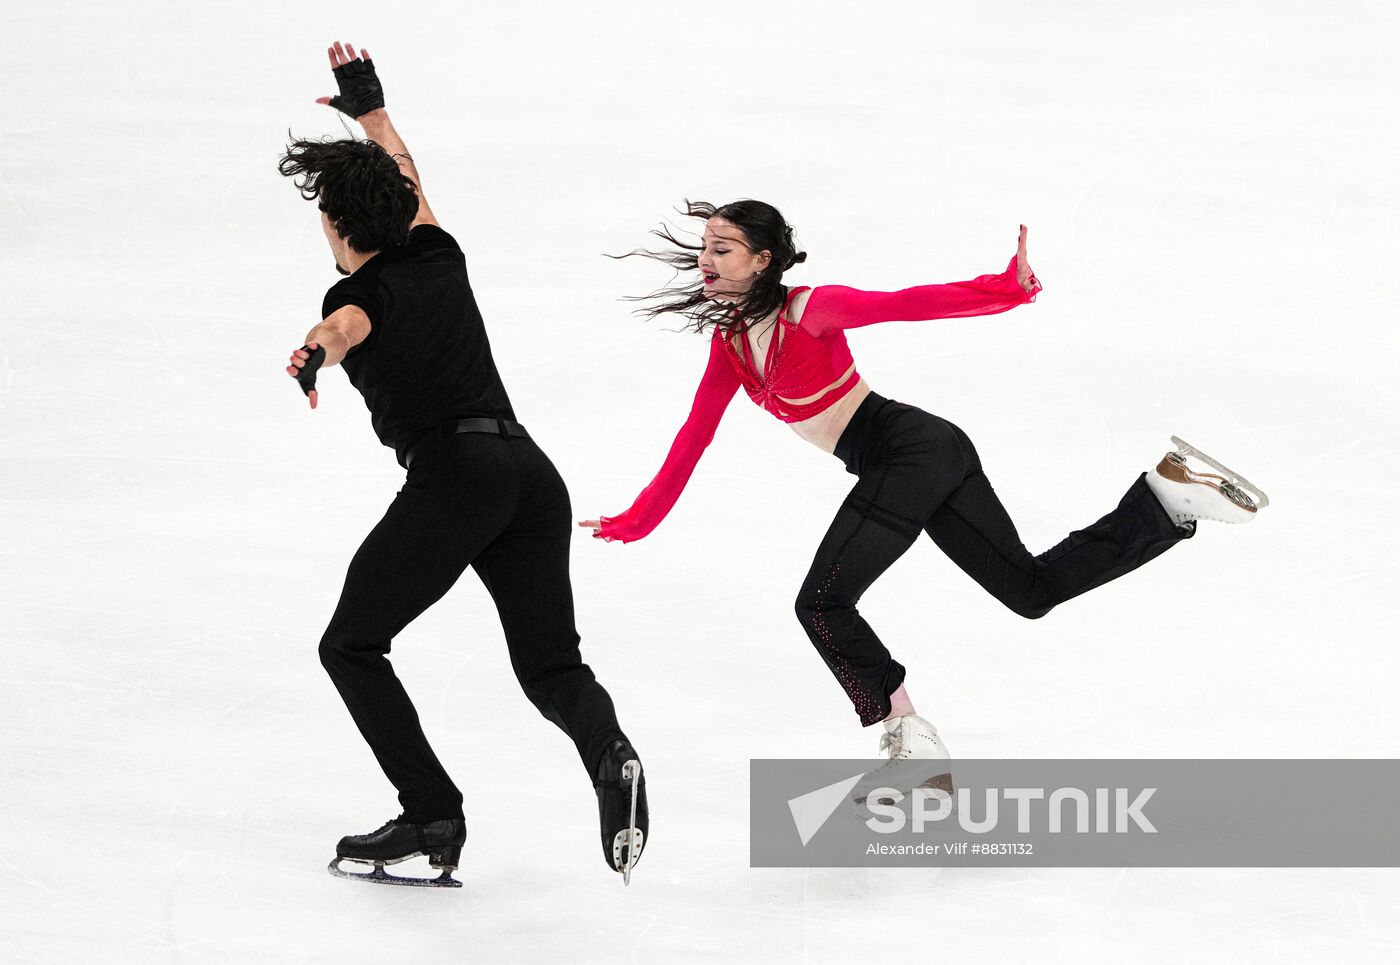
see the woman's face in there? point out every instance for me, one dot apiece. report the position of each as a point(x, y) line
point(727, 264)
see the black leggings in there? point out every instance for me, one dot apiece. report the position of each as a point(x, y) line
point(920, 472)
point(499, 506)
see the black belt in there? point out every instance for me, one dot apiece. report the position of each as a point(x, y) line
point(505, 428)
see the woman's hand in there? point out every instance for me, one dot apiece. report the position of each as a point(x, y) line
point(1024, 276)
point(593, 524)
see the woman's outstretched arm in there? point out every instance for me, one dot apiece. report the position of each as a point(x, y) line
point(829, 308)
point(717, 388)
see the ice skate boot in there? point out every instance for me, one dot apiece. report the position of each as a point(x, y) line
point(398, 840)
point(622, 807)
point(918, 759)
point(1188, 495)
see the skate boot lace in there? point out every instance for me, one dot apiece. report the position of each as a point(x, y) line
point(891, 744)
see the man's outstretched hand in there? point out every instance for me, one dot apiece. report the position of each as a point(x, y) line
point(305, 361)
point(354, 73)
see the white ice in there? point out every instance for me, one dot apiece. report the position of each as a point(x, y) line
point(1213, 207)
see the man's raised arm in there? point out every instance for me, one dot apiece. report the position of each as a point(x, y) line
point(362, 98)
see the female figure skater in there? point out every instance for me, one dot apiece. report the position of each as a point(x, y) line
point(787, 348)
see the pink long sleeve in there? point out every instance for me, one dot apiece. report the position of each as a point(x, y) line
point(717, 388)
point(834, 307)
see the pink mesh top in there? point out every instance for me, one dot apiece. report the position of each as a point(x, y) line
point(802, 360)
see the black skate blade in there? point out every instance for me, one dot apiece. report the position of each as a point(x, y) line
point(381, 877)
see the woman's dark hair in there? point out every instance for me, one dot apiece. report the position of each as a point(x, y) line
point(360, 188)
point(764, 229)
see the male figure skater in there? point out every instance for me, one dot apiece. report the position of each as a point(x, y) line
point(405, 327)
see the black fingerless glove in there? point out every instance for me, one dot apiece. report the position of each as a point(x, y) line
point(360, 92)
point(306, 376)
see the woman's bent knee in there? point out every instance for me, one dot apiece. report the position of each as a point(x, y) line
point(1031, 610)
point(808, 608)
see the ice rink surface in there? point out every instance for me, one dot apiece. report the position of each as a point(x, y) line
point(1214, 211)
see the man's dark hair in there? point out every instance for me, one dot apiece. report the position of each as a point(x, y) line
point(358, 185)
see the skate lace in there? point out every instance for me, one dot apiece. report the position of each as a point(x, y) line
point(891, 745)
point(894, 747)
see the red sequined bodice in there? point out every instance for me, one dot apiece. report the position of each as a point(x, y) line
point(797, 365)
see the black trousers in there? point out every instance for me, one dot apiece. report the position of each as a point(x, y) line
point(919, 472)
point(498, 506)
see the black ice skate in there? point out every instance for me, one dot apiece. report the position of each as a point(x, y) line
point(622, 807)
point(398, 840)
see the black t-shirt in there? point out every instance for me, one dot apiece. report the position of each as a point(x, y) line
point(426, 361)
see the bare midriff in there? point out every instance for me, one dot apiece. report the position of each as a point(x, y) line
point(824, 429)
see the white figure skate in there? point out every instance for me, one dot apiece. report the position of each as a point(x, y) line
point(918, 759)
point(1188, 495)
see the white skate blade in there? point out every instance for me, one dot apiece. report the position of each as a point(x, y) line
point(381, 877)
point(621, 846)
point(631, 838)
point(1259, 497)
point(905, 777)
point(1186, 502)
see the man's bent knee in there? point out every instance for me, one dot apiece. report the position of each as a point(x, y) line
point(339, 647)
